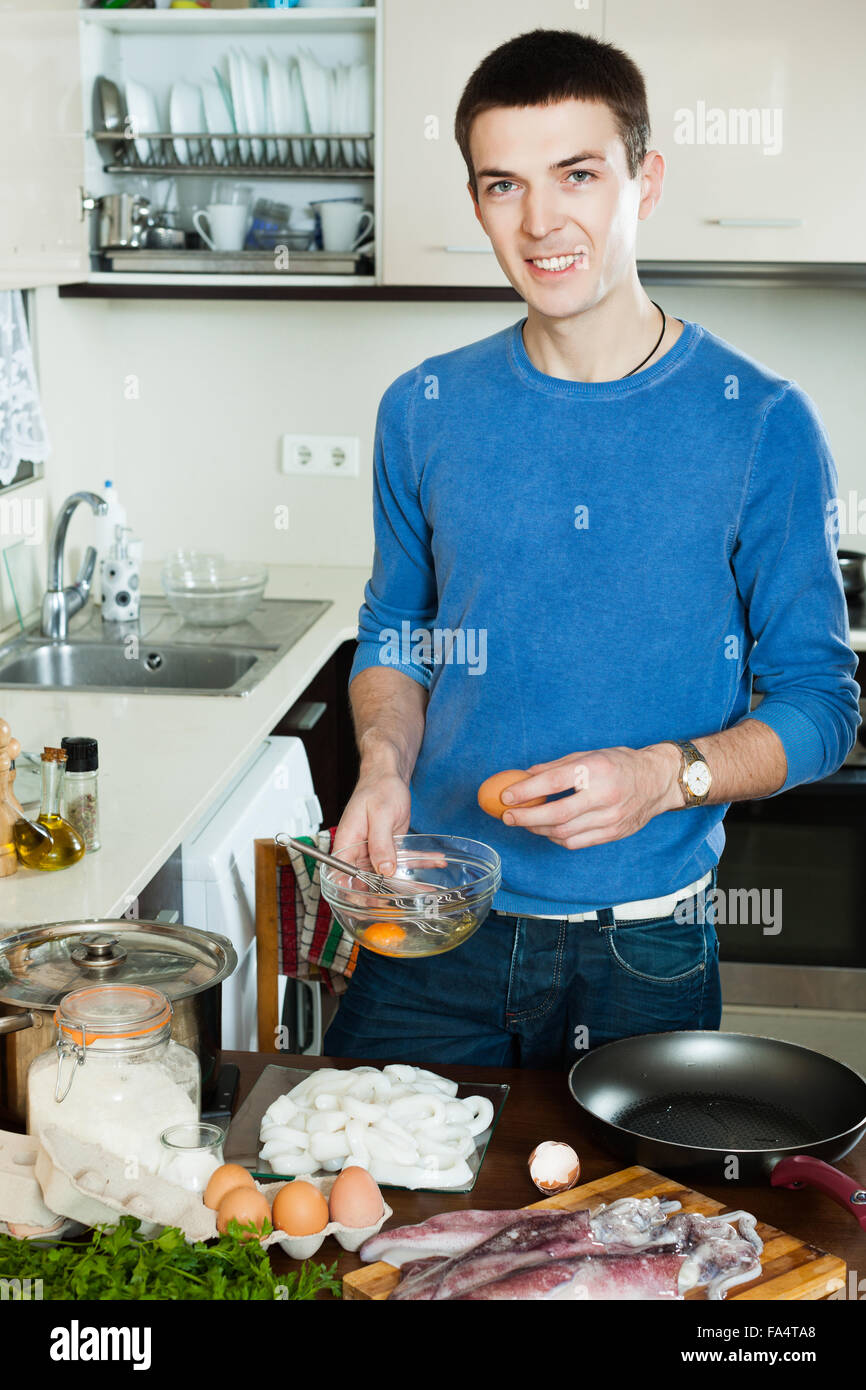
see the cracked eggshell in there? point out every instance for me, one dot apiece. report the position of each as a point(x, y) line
point(554, 1167)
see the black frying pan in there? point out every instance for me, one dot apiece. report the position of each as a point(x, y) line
point(692, 1102)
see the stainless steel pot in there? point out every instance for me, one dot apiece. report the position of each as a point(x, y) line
point(122, 220)
point(40, 965)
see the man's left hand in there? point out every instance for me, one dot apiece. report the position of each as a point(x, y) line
point(614, 793)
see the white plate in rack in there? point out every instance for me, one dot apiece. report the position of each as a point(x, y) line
point(217, 117)
point(186, 113)
point(256, 106)
point(279, 103)
point(141, 108)
point(236, 86)
point(315, 86)
point(301, 149)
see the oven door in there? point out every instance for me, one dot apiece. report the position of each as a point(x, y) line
point(792, 881)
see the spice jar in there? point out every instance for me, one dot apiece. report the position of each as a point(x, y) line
point(81, 790)
point(116, 1076)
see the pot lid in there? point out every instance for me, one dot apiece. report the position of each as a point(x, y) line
point(42, 964)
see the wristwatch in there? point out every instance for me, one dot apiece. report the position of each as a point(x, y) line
point(695, 778)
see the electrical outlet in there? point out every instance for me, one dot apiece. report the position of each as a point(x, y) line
point(325, 455)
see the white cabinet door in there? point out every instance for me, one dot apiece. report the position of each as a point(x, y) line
point(431, 47)
point(757, 107)
point(42, 237)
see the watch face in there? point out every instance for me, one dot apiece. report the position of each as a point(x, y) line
point(698, 779)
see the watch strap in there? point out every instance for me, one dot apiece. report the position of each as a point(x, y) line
point(690, 754)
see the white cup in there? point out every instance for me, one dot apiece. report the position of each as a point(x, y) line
point(228, 224)
point(344, 225)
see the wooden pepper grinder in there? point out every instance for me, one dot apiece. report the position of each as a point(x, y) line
point(10, 811)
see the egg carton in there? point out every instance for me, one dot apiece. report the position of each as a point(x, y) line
point(21, 1199)
point(88, 1184)
point(303, 1247)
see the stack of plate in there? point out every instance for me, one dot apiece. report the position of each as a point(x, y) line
point(253, 98)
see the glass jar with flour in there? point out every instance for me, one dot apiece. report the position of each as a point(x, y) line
point(116, 1077)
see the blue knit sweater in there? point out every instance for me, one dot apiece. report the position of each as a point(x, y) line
point(569, 566)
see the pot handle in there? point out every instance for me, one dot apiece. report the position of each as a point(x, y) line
point(804, 1171)
point(15, 1022)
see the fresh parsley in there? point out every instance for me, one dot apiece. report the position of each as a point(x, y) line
point(118, 1263)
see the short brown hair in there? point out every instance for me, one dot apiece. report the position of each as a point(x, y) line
point(551, 65)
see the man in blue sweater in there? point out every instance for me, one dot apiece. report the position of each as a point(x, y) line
point(625, 522)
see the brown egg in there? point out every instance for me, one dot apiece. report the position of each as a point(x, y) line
point(246, 1205)
point(300, 1209)
point(355, 1199)
point(490, 792)
point(223, 1180)
point(554, 1167)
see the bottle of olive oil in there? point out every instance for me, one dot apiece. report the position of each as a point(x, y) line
point(65, 845)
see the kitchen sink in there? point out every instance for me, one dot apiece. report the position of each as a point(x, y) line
point(70, 665)
point(159, 652)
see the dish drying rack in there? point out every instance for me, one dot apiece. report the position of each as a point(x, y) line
point(324, 155)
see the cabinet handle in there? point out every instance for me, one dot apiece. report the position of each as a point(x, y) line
point(756, 221)
point(470, 250)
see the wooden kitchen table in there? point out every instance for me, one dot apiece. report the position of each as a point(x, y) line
point(539, 1107)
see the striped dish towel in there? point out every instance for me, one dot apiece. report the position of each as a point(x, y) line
point(312, 945)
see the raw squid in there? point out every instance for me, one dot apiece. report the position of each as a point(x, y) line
point(624, 1277)
point(450, 1233)
point(404, 1124)
point(540, 1236)
point(636, 1248)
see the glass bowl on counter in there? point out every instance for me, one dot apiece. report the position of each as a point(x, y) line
point(209, 591)
point(390, 927)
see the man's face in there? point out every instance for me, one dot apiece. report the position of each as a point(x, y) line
point(553, 185)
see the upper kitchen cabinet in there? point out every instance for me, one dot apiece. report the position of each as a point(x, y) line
point(429, 233)
point(225, 129)
point(42, 239)
point(757, 109)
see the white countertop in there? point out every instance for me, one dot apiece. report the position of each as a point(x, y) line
point(164, 759)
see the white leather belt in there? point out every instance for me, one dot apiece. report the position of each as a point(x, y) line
point(630, 912)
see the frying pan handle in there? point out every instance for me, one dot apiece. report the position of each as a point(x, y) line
point(803, 1171)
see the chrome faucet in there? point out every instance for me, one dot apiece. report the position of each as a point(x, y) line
point(60, 604)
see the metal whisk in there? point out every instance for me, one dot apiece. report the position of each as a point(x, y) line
point(378, 883)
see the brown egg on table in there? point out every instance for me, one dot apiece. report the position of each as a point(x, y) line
point(355, 1199)
point(300, 1209)
point(246, 1205)
point(554, 1167)
point(490, 792)
point(222, 1180)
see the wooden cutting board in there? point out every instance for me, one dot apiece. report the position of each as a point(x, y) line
point(790, 1269)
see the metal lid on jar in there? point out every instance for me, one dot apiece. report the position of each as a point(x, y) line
point(111, 1012)
point(40, 965)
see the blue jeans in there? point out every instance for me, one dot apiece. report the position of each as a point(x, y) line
point(530, 993)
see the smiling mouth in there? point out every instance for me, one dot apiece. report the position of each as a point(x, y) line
point(557, 265)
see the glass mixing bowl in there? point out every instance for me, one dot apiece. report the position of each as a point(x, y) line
point(385, 925)
point(209, 591)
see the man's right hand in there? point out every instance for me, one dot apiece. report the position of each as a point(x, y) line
point(378, 809)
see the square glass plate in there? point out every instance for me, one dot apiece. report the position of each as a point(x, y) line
point(242, 1141)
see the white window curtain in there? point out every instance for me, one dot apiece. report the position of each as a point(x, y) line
point(23, 437)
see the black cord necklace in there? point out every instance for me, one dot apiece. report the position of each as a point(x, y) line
point(655, 349)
